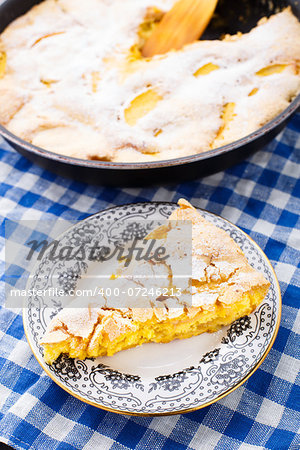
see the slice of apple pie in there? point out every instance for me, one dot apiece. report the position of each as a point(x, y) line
point(223, 287)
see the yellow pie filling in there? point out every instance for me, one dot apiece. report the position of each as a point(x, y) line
point(154, 330)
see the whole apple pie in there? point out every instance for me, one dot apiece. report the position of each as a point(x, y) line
point(73, 81)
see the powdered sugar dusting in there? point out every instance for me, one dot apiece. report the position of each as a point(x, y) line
point(66, 45)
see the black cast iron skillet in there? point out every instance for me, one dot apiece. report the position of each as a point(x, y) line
point(231, 16)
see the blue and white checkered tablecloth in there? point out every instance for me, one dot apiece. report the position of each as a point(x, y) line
point(260, 195)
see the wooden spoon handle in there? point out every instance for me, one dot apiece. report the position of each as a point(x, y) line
point(184, 23)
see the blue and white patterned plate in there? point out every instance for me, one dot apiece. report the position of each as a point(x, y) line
point(155, 379)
